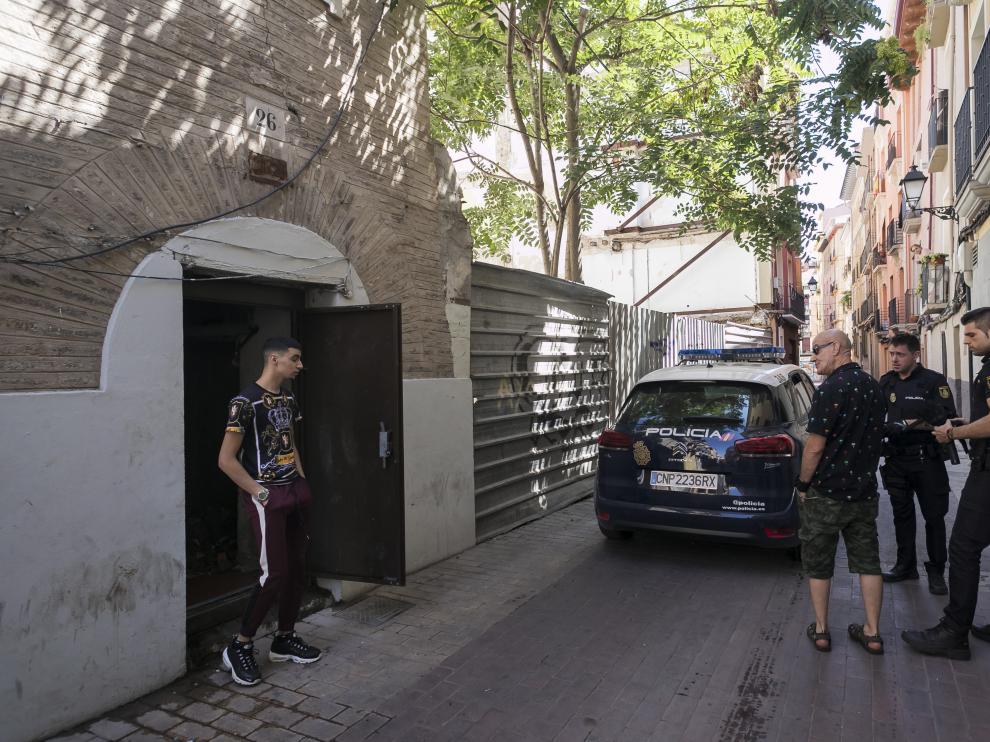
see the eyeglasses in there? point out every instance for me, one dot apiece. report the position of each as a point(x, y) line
point(816, 349)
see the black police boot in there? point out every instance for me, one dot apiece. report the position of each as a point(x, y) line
point(900, 572)
point(940, 641)
point(982, 632)
point(936, 579)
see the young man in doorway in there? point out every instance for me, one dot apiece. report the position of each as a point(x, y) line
point(259, 455)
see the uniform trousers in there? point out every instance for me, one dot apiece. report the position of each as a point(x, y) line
point(970, 536)
point(904, 477)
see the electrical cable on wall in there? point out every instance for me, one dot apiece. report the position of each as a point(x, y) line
point(62, 262)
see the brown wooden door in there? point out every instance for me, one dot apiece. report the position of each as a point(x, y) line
point(351, 397)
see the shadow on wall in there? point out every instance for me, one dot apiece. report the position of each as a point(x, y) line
point(126, 118)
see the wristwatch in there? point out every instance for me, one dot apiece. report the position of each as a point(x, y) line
point(261, 495)
point(800, 485)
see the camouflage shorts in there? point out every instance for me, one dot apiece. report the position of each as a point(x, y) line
point(823, 519)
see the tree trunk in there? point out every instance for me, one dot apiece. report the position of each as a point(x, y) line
point(572, 203)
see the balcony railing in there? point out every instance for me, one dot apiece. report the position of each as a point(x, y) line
point(894, 237)
point(881, 321)
point(981, 100)
point(934, 287)
point(877, 257)
point(895, 311)
point(866, 311)
point(796, 305)
point(938, 124)
point(963, 156)
point(912, 306)
point(891, 153)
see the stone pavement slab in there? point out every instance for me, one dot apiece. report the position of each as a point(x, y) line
point(551, 633)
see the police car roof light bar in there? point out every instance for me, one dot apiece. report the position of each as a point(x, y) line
point(764, 353)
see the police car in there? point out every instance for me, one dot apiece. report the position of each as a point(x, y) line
point(709, 447)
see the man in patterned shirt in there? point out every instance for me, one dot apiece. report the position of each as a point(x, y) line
point(837, 486)
point(259, 455)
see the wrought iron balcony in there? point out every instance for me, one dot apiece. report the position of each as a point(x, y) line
point(895, 311)
point(938, 132)
point(877, 257)
point(880, 320)
point(891, 153)
point(866, 311)
point(792, 304)
point(963, 155)
point(894, 237)
point(981, 100)
point(934, 287)
point(912, 305)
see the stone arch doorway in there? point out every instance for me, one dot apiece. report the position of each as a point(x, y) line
point(252, 279)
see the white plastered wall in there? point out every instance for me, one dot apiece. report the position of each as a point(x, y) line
point(93, 615)
point(92, 609)
point(722, 278)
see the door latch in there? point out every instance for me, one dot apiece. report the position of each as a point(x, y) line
point(384, 444)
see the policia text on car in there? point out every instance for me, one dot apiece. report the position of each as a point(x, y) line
point(971, 530)
point(914, 463)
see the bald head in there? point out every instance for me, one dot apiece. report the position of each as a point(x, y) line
point(842, 341)
point(833, 350)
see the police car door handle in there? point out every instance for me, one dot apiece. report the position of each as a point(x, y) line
point(384, 443)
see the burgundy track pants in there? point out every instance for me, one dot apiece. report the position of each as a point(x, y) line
point(282, 537)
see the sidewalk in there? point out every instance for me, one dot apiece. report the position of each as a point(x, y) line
point(552, 633)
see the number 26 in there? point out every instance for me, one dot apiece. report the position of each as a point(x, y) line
point(266, 119)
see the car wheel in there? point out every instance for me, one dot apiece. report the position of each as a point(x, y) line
point(794, 553)
point(613, 534)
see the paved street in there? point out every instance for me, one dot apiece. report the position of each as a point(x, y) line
point(552, 633)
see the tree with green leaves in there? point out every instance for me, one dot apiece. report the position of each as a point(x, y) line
point(717, 103)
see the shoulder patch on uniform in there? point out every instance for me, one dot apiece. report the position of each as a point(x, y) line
point(943, 392)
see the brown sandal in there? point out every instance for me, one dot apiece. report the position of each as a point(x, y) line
point(817, 636)
point(865, 640)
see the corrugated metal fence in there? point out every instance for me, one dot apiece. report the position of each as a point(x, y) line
point(539, 369)
point(642, 340)
point(547, 356)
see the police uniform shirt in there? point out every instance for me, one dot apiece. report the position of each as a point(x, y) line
point(979, 396)
point(923, 393)
point(981, 392)
point(268, 452)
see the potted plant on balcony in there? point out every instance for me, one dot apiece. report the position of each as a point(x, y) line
point(846, 299)
point(933, 258)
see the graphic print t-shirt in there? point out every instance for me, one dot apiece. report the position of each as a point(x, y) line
point(265, 420)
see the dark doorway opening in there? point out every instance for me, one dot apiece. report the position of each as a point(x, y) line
point(222, 337)
point(351, 446)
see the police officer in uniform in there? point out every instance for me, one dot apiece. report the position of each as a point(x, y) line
point(913, 461)
point(971, 531)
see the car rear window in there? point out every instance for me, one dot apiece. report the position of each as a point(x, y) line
point(664, 403)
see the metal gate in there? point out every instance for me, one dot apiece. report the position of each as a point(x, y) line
point(642, 340)
point(539, 369)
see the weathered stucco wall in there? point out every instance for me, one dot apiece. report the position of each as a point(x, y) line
point(94, 612)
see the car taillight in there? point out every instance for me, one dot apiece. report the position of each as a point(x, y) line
point(771, 532)
point(614, 440)
point(774, 445)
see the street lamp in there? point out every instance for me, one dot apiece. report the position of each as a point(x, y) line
point(912, 185)
point(812, 286)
